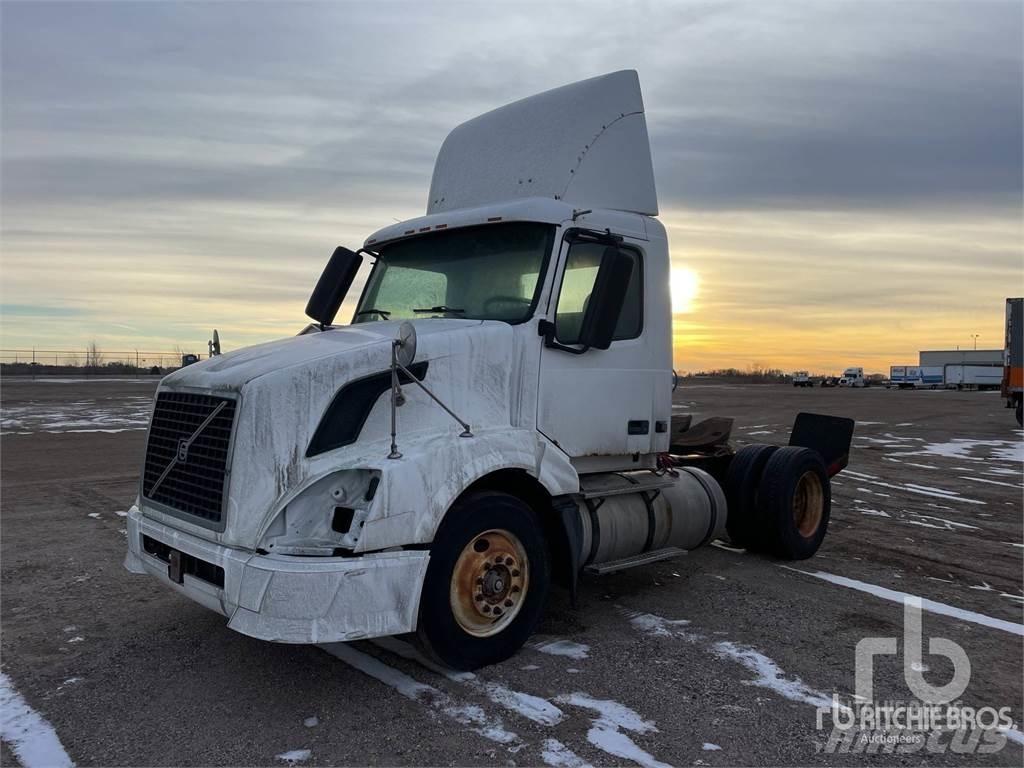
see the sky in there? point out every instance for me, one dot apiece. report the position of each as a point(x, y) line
point(841, 182)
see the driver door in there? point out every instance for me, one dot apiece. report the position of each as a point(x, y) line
point(597, 402)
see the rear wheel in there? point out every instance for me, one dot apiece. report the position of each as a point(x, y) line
point(794, 503)
point(741, 481)
point(486, 583)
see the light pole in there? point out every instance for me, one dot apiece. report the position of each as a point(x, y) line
point(975, 337)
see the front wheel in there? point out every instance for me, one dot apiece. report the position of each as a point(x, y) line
point(486, 584)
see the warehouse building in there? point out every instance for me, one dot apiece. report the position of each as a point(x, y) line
point(944, 357)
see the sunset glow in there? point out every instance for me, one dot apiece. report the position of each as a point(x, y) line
point(197, 178)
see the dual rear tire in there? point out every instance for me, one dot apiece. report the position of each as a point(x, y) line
point(779, 500)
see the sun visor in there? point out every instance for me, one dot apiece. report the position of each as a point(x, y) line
point(584, 143)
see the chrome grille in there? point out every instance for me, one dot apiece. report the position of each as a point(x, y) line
point(186, 462)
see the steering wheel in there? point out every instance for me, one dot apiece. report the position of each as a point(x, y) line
point(506, 300)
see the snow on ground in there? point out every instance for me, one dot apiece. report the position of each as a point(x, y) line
point(928, 605)
point(31, 737)
point(99, 415)
point(567, 648)
point(295, 756)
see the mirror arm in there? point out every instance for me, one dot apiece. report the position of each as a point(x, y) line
point(547, 329)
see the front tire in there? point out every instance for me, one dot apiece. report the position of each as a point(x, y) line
point(486, 584)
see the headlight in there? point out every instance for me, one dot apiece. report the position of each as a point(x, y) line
point(325, 518)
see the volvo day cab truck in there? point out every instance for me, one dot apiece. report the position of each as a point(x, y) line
point(496, 415)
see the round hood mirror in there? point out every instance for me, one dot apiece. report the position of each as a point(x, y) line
point(406, 344)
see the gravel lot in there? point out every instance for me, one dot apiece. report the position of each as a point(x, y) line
point(715, 658)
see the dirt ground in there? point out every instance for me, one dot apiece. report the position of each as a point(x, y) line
point(716, 658)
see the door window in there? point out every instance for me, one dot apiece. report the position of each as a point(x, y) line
point(581, 268)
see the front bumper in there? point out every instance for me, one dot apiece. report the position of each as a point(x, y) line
point(290, 599)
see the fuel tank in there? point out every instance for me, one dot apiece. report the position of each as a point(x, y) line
point(626, 513)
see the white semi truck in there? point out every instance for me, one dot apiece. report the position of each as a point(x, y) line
point(853, 377)
point(497, 415)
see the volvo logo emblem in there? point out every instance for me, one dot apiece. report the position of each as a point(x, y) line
point(183, 446)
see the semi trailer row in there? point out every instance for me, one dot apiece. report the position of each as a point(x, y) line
point(497, 415)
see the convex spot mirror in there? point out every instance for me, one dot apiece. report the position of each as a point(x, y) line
point(405, 344)
point(606, 299)
point(333, 285)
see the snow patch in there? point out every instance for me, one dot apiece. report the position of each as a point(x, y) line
point(873, 512)
point(294, 756)
point(555, 753)
point(606, 732)
point(470, 715)
point(989, 482)
point(928, 605)
point(961, 448)
point(921, 490)
point(568, 648)
point(770, 675)
point(707, 746)
point(534, 708)
point(30, 736)
point(658, 626)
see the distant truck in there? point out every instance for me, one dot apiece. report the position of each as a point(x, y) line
point(917, 376)
point(1013, 361)
point(852, 377)
point(801, 379)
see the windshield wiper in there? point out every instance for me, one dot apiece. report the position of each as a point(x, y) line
point(441, 308)
point(382, 312)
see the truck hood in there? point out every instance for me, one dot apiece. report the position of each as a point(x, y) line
point(284, 388)
point(233, 370)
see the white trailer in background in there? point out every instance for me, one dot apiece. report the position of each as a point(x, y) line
point(916, 376)
point(497, 415)
point(973, 376)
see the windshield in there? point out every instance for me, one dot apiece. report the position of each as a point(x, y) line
point(485, 273)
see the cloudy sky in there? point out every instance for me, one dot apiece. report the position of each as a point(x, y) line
point(841, 182)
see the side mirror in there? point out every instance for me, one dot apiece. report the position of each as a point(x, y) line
point(333, 284)
point(606, 299)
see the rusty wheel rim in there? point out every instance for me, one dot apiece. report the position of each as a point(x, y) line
point(489, 583)
point(808, 504)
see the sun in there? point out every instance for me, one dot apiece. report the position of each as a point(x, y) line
point(684, 285)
